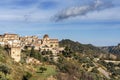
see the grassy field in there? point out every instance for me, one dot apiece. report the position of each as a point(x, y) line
point(43, 76)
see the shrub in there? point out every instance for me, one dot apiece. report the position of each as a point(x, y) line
point(42, 69)
point(27, 76)
point(4, 69)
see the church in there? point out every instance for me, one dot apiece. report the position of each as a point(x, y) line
point(17, 43)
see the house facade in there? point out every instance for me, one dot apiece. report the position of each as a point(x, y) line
point(16, 43)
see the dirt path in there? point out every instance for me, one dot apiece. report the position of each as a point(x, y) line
point(105, 73)
point(101, 70)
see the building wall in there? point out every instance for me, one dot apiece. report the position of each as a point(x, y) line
point(16, 43)
point(11, 37)
point(49, 44)
point(16, 53)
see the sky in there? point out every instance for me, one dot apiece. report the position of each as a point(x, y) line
point(94, 22)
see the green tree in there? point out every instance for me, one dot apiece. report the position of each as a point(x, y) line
point(27, 76)
point(67, 52)
point(42, 69)
point(4, 69)
point(32, 52)
point(45, 59)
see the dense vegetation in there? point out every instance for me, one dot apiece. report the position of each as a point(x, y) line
point(84, 60)
point(76, 62)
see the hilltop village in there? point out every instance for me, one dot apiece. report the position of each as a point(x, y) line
point(34, 58)
point(17, 43)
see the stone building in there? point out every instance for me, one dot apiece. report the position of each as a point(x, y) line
point(16, 50)
point(8, 37)
point(28, 41)
point(17, 43)
point(16, 53)
point(12, 41)
point(1, 41)
point(48, 44)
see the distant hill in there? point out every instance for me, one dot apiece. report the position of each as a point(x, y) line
point(112, 49)
point(78, 47)
point(87, 62)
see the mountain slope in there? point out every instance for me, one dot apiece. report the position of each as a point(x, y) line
point(89, 61)
point(78, 47)
point(112, 49)
point(77, 62)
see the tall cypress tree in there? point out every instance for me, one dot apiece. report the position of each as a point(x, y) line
point(32, 52)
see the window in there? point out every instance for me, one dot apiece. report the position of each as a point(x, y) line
point(51, 45)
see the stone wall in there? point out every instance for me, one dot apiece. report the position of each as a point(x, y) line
point(16, 53)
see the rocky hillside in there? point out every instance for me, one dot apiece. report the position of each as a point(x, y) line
point(11, 70)
point(76, 62)
point(80, 48)
point(95, 63)
point(112, 49)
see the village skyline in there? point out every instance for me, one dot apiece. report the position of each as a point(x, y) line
point(17, 43)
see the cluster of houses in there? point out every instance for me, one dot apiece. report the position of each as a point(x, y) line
point(17, 43)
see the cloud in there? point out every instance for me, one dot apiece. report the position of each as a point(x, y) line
point(27, 10)
point(42, 10)
point(82, 10)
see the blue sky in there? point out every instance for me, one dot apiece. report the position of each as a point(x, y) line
point(94, 22)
